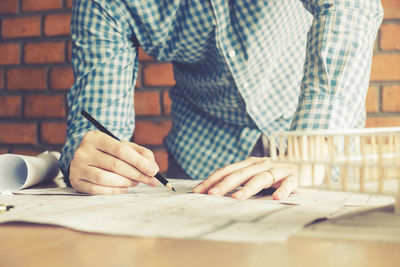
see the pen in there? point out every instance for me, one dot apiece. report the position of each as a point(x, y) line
point(4, 208)
point(97, 124)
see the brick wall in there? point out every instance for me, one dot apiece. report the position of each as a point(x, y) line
point(35, 74)
point(383, 99)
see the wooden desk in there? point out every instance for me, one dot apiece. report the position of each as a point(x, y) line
point(38, 245)
point(31, 245)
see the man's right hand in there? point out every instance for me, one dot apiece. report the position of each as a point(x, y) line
point(103, 165)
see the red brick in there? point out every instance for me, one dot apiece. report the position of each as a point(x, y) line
point(166, 103)
point(53, 132)
point(371, 101)
point(69, 44)
point(390, 37)
point(382, 121)
point(391, 9)
point(69, 3)
point(44, 52)
point(138, 83)
point(2, 73)
point(27, 151)
point(161, 157)
point(147, 103)
point(58, 24)
point(17, 133)
point(44, 106)
point(9, 54)
point(143, 56)
point(37, 5)
point(10, 106)
point(385, 67)
point(376, 46)
point(61, 78)
point(8, 6)
point(151, 133)
point(391, 98)
point(159, 75)
point(26, 79)
point(20, 27)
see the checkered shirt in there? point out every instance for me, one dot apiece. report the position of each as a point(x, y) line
point(242, 69)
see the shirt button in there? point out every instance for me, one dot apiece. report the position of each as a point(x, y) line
point(254, 109)
point(245, 85)
point(287, 116)
point(232, 53)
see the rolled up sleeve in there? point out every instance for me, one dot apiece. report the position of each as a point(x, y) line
point(338, 63)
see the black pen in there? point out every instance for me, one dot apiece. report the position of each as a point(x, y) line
point(97, 124)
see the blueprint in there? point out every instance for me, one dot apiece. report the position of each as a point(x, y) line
point(157, 212)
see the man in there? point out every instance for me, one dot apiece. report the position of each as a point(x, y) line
point(243, 70)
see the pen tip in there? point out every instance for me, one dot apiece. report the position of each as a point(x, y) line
point(170, 187)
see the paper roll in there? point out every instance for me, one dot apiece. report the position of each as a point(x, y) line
point(19, 171)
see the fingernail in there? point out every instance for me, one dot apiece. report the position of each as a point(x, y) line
point(277, 196)
point(155, 182)
point(214, 191)
point(197, 189)
point(155, 167)
point(152, 168)
point(238, 194)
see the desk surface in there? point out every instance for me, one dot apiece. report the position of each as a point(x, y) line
point(39, 245)
point(23, 244)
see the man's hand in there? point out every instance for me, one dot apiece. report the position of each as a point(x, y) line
point(103, 165)
point(257, 173)
point(253, 174)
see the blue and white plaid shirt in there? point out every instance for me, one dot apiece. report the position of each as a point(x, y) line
point(242, 68)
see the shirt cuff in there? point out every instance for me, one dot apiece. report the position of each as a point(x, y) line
point(324, 112)
point(67, 154)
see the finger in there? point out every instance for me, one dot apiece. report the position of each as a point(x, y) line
point(239, 177)
point(264, 180)
point(282, 171)
point(288, 185)
point(218, 175)
point(142, 150)
point(119, 167)
point(254, 185)
point(106, 178)
point(94, 189)
point(122, 151)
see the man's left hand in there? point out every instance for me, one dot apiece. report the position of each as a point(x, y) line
point(253, 174)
